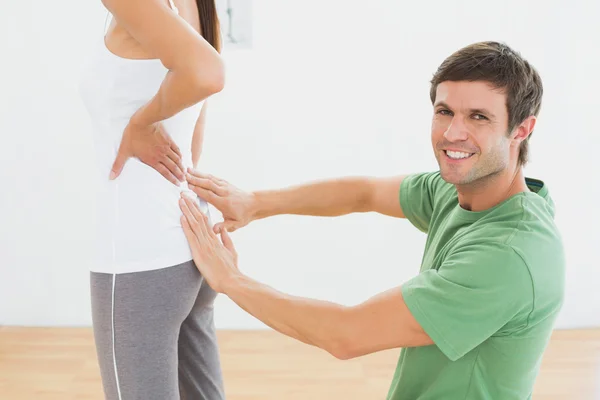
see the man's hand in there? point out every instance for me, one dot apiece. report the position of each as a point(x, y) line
point(152, 146)
point(236, 205)
point(216, 261)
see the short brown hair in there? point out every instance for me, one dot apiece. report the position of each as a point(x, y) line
point(505, 69)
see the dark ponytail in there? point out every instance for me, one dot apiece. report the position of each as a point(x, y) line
point(209, 23)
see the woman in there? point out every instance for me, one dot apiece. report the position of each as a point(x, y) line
point(145, 90)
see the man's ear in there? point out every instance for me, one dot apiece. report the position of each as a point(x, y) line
point(524, 129)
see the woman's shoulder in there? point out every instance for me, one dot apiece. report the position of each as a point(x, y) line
point(122, 43)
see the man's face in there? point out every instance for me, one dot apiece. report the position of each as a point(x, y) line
point(469, 131)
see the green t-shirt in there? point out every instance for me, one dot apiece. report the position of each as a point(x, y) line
point(490, 287)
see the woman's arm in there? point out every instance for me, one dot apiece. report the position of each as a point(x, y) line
point(198, 137)
point(196, 70)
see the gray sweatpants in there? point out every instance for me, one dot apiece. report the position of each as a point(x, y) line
point(155, 335)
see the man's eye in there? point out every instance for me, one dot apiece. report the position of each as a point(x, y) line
point(444, 112)
point(480, 117)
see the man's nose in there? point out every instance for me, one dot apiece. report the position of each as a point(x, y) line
point(457, 131)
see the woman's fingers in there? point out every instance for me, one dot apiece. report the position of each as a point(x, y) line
point(164, 171)
point(174, 167)
point(173, 162)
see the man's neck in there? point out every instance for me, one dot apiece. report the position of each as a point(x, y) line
point(493, 190)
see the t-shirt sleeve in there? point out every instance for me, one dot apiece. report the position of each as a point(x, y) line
point(417, 197)
point(476, 291)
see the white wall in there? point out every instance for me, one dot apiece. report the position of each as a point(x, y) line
point(329, 88)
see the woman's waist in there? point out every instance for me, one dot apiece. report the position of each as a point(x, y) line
point(132, 246)
point(139, 177)
point(142, 195)
point(133, 219)
point(144, 204)
point(109, 125)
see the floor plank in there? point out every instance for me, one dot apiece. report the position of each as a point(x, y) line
point(60, 363)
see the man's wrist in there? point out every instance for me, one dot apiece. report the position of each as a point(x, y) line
point(261, 207)
point(232, 283)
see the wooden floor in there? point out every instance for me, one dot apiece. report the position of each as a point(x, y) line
point(53, 364)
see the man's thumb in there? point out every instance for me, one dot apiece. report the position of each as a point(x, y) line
point(227, 225)
point(227, 242)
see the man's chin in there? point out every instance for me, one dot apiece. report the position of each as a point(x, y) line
point(454, 178)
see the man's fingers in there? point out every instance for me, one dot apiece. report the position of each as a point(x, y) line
point(164, 171)
point(194, 223)
point(217, 228)
point(204, 231)
point(206, 183)
point(187, 212)
point(229, 226)
point(227, 242)
point(219, 181)
point(204, 194)
point(190, 236)
point(208, 196)
point(193, 206)
point(196, 173)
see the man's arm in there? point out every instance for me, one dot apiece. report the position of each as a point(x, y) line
point(382, 322)
point(333, 197)
point(326, 198)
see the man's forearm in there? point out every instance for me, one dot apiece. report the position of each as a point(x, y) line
point(326, 198)
point(314, 322)
point(382, 322)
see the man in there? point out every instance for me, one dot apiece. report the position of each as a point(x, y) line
point(474, 323)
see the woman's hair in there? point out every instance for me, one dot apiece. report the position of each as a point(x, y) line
point(209, 23)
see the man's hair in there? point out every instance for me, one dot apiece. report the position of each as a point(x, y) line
point(504, 69)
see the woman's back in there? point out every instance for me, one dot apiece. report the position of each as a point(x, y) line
point(138, 216)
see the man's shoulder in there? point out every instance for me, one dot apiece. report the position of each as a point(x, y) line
point(433, 182)
point(526, 230)
point(430, 177)
point(421, 194)
point(528, 253)
point(526, 224)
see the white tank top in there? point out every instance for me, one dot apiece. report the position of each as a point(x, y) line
point(138, 215)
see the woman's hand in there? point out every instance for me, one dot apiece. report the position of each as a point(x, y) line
point(153, 146)
point(215, 259)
